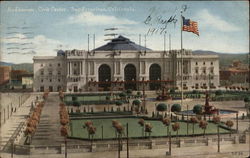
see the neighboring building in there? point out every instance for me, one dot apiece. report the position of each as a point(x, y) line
point(4, 74)
point(21, 79)
point(123, 60)
point(236, 73)
point(27, 81)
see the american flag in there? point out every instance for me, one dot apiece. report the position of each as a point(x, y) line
point(190, 26)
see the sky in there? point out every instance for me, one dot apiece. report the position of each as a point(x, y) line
point(35, 28)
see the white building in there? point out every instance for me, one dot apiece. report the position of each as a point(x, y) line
point(123, 60)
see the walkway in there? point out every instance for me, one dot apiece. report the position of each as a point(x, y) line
point(227, 151)
point(9, 127)
point(48, 131)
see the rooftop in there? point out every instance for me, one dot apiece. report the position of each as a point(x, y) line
point(121, 43)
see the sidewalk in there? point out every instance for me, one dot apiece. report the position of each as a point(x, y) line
point(227, 151)
point(12, 123)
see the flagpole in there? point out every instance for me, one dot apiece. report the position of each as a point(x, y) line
point(181, 62)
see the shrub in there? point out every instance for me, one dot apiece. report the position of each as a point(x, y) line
point(176, 108)
point(197, 109)
point(161, 107)
point(218, 92)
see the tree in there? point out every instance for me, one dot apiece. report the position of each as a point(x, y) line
point(230, 124)
point(138, 94)
point(118, 103)
point(141, 122)
point(122, 95)
point(148, 128)
point(166, 122)
point(194, 120)
point(176, 108)
point(197, 109)
point(246, 99)
point(176, 127)
point(64, 133)
point(119, 129)
point(203, 124)
point(137, 103)
point(91, 130)
point(129, 91)
point(216, 119)
point(77, 104)
point(162, 107)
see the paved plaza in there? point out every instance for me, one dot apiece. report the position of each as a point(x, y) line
point(48, 133)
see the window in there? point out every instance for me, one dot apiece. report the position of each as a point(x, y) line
point(58, 64)
point(196, 63)
point(41, 88)
point(75, 64)
point(212, 70)
point(75, 73)
point(204, 63)
point(59, 72)
point(50, 72)
point(41, 80)
point(59, 80)
point(50, 65)
point(212, 63)
point(196, 78)
point(197, 70)
point(204, 70)
point(42, 72)
point(50, 80)
point(41, 65)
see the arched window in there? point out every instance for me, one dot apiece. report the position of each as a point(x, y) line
point(154, 75)
point(130, 75)
point(104, 74)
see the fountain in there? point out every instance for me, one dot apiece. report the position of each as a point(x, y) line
point(209, 109)
point(164, 95)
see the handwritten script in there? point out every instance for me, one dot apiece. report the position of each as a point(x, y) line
point(159, 22)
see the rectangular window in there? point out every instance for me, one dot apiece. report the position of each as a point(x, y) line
point(41, 65)
point(50, 80)
point(50, 65)
point(42, 89)
point(196, 63)
point(212, 70)
point(42, 72)
point(204, 63)
point(212, 63)
point(197, 70)
point(59, 72)
point(50, 72)
point(59, 80)
point(41, 80)
point(58, 64)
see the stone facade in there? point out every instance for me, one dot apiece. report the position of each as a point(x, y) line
point(73, 69)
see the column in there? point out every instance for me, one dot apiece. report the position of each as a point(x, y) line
point(81, 67)
point(69, 67)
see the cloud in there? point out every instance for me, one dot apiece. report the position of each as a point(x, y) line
point(22, 49)
point(89, 18)
point(215, 22)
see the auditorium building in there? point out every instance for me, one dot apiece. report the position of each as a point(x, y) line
point(121, 64)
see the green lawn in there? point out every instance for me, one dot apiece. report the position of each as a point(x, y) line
point(135, 130)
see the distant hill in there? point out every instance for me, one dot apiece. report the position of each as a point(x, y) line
point(5, 64)
point(24, 66)
point(225, 59)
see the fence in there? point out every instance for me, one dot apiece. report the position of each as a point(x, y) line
point(134, 144)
